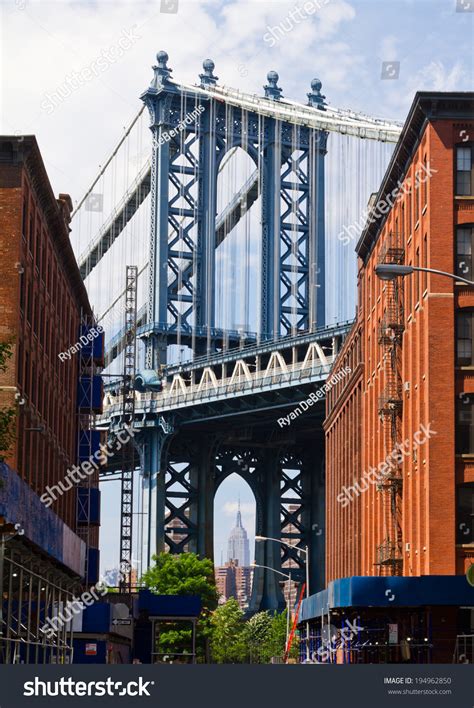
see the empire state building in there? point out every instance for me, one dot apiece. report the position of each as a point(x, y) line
point(238, 548)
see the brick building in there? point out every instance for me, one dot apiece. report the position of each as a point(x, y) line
point(44, 309)
point(234, 580)
point(399, 430)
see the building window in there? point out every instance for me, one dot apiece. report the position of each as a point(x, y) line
point(465, 513)
point(410, 223)
point(424, 184)
point(416, 197)
point(464, 170)
point(464, 322)
point(425, 262)
point(464, 236)
point(465, 424)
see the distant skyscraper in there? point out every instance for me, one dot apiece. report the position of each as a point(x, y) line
point(238, 548)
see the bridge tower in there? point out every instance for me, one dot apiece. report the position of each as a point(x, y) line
point(194, 129)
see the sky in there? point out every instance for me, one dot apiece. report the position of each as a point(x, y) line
point(371, 56)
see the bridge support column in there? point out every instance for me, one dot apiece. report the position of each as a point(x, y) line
point(266, 592)
point(316, 217)
point(158, 270)
point(154, 492)
point(205, 502)
point(206, 241)
point(270, 283)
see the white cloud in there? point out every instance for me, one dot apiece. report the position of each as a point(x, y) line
point(435, 76)
point(389, 48)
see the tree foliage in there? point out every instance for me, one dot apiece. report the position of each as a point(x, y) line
point(228, 634)
point(235, 640)
point(7, 415)
point(183, 574)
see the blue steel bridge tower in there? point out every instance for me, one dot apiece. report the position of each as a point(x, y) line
point(193, 130)
point(195, 426)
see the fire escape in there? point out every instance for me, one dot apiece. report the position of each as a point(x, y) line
point(389, 553)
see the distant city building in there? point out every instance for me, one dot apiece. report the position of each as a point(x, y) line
point(234, 579)
point(238, 545)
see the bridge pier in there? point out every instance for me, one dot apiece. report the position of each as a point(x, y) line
point(266, 592)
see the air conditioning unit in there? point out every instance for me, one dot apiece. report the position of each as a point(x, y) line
point(407, 548)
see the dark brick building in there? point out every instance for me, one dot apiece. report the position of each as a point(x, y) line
point(43, 305)
point(41, 299)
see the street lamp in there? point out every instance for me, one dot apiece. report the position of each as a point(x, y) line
point(288, 577)
point(389, 271)
point(305, 550)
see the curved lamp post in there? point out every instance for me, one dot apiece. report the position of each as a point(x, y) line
point(389, 271)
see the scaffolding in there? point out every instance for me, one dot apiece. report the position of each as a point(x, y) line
point(36, 597)
point(389, 553)
point(128, 414)
point(88, 440)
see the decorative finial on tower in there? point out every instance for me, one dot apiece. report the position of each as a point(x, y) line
point(272, 90)
point(316, 98)
point(239, 515)
point(208, 78)
point(162, 71)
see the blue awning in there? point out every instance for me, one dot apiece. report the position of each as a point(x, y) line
point(363, 592)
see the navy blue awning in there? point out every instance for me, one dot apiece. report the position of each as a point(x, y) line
point(358, 592)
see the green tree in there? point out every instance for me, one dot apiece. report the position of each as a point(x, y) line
point(257, 633)
point(228, 634)
point(7, 415)
point(276, 640)
point(184, 574)
point(266, 637)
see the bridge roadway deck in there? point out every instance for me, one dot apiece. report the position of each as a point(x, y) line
point(246, 381)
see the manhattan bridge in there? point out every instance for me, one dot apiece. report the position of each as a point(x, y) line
point(210, 246)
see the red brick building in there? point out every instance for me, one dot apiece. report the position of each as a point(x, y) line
point(400, 430)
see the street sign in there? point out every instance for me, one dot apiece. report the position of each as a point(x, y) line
point(116, 622)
